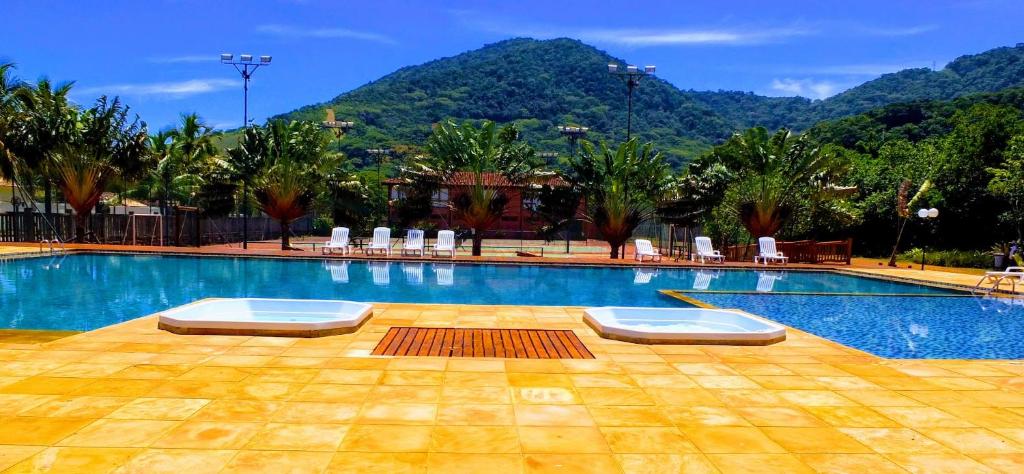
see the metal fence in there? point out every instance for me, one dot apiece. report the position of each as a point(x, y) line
point(180, 229)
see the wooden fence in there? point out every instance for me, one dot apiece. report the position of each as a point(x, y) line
point(181, 229)
point(800, 251)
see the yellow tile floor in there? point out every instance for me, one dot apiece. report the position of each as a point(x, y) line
point(133, 399)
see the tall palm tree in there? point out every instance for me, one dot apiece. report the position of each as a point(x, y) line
point(777, 175)
point(10, 117)
point(108, 145)
point(472, 154)
point(293, 171)
point(49, 124)
point(622, 187)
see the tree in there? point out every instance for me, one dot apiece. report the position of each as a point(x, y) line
point(622, 187)
point(468, 155)
point(1008, 183)
point(777, 177)
point(107, 145)
point(294, 167)
point(49, 125)
point(10, 117)
point(557, 206)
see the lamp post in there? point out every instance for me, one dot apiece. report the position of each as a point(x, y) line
point(632, 76)
point(573, 134)
point(379, 155)
point(246, 66)
point(926, 214)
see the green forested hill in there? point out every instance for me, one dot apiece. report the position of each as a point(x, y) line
point(542, 84)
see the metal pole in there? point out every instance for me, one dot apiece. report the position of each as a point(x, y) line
point(245, 126)
point(629, 109)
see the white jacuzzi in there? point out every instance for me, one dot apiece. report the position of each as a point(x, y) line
point(683, 326)
point(266, 317)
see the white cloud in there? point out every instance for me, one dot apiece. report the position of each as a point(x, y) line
point(177, 89)
point(188, 58)
point(810, 88)
point(895, 31)
point(635, 36)
point(323, 33)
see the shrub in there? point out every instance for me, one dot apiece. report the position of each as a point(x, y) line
point(950, 258)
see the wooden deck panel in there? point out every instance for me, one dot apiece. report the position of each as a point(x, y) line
point(474, 342)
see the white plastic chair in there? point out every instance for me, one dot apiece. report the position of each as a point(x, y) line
point(381, 272)
point(702, 280)
point(445, 274)
point(381, 242)
point(768, 252)
point(644, 275)
point(644, 249)
point(339, 241)
point(766, 281)
point(413, 242)
point(413, 273)
point(705, 251)
point(338, 269)
point(445, 243)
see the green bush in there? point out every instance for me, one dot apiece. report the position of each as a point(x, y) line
point(950, 258)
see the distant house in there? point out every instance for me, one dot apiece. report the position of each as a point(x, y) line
point(519, 220)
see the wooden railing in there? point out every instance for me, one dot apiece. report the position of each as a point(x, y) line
point(800, 251)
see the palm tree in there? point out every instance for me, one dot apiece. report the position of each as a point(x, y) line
point(467, 155)
point(49, 124)
point(108, 145)
point(293, 170)
point(777, 175)
point(622, 187)
point(9, 119)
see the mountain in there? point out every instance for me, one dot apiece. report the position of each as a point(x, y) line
point(542, 84)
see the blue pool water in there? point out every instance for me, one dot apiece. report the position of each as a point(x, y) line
point(88, 291)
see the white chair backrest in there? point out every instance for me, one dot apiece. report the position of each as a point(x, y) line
point(644, 275)
point(339, 270)
point(445, 239)
point(339, 236)
point(702, 280)
point(413, 273)
point(644, 247)
point(381, 272)
point(414, 238)
point(704, 246)
point(445, 273)
point(767, 245)
point(382, 237)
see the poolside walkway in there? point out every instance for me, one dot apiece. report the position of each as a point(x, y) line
point(131, 398)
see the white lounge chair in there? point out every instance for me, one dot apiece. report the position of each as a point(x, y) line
point(768, 252)
point(705, 251)
point(381, 272)
point(702, 280)
point(644, 275)
point(381, 242)
point(644, 249)
point(445, 242)
point(766, 281)
point(413, 242)
point(413, 273)
point(445, 274)
point(338, 269)
point(339, 241)
point(996, 277)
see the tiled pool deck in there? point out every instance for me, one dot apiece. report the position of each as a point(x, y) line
point(131, 398)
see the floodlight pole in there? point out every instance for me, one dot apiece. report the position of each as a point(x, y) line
point(632, 76)
point(246, 67)
point(378, 154)
point(926, 214)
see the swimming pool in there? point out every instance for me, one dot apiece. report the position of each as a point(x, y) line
point(88, 291)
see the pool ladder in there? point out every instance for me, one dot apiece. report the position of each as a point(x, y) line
point(1013, 279)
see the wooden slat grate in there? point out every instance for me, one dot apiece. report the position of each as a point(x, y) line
point(472, 342)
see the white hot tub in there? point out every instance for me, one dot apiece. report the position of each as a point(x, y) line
point(266, 317)
point(683, 326)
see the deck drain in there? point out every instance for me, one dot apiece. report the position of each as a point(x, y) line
point(470, 342)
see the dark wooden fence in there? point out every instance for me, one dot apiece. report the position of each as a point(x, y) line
point(182, 229)
point(800, 251)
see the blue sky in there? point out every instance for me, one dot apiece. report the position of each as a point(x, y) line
point(161, 56)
